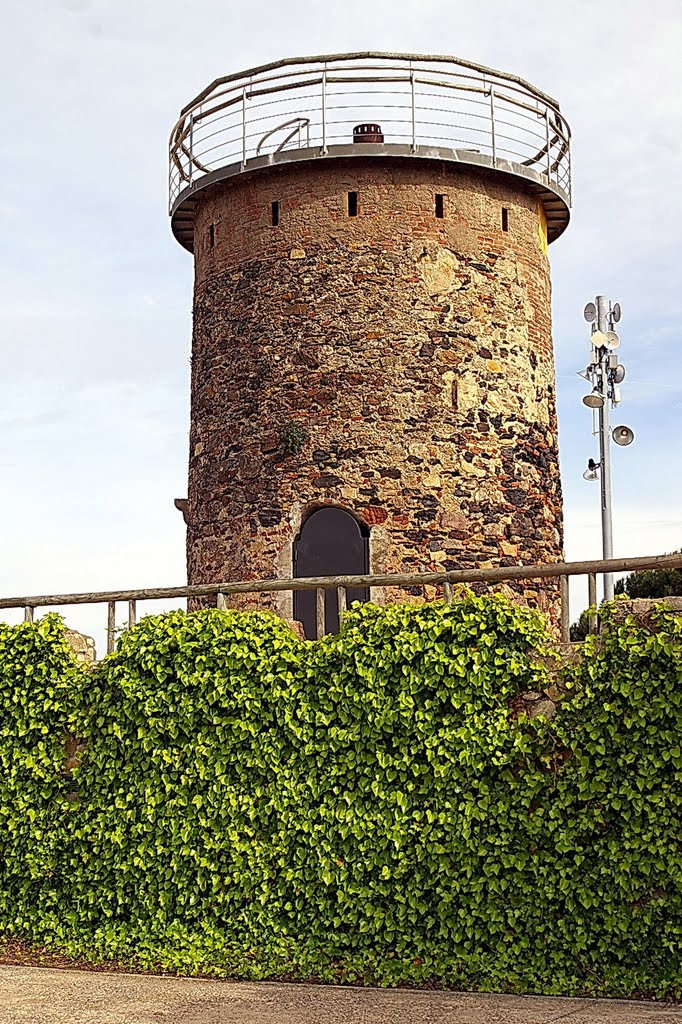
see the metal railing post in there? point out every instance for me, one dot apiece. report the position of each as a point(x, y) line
point(324, 111)
point(565, 611)
point(111, 626)
point(414, 118)
point(191, 147)
point(549, 159)
point(492, 125)
point(243, 127)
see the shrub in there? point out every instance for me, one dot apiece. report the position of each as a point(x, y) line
point(40, 683)
point(372, 807)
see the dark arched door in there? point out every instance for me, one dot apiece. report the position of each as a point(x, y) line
point(331, 543)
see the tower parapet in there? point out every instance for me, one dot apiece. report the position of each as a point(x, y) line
point(430, 107)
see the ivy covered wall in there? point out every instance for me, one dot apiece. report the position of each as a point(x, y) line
point(219, 796)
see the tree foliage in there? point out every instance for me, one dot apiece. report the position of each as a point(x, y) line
point(372, 807)
point(652, 583)
point(580, 630)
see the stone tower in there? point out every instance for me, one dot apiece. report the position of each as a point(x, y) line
point(372, 323)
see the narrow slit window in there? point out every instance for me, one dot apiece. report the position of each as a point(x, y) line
point(352, 204)
point(275, 213)
point(211, 236)
point(440, 206)
point(505, 219)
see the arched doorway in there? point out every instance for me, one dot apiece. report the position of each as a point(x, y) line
point(331, 543)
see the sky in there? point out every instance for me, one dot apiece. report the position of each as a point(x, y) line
point(95, 295)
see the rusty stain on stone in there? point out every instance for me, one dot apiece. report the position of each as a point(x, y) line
point(373, 514)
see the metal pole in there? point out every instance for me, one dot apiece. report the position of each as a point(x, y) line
point(492, 125)
point(605, 450)
point(414, 119)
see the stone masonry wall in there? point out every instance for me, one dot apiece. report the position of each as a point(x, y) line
point(415, 353)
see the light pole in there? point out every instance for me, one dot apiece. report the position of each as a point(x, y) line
point(605, 374)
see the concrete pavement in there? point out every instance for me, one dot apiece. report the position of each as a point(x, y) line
point(31, 995)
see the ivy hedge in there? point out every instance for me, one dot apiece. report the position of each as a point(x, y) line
point(374, 807)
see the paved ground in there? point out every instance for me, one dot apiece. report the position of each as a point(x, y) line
point(30, 995)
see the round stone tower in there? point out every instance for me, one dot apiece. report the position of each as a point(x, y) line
point(372, 329)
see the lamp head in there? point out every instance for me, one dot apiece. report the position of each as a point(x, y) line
point(593, 400)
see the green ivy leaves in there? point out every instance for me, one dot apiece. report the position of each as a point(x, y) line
point(372, 807)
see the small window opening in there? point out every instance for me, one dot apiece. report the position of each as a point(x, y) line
point(440, 206)
point(505, 219)
point(211, 236)
point(352, 204)
point(275, 213)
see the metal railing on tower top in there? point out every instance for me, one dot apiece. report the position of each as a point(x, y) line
point(426, 105)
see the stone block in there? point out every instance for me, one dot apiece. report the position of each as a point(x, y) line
point(83, 646)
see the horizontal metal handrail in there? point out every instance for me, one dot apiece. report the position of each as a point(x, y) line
point(361, 87)
point(330, 58)
point(296, 122)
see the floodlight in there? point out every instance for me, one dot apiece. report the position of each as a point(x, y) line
point(594, 401)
